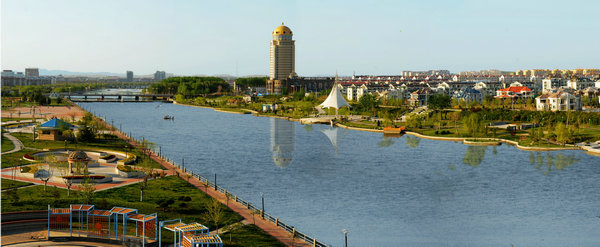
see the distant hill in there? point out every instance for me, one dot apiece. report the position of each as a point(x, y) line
point(70, 73)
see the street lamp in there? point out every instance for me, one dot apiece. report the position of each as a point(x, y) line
point(345, 237)
point(262, 212)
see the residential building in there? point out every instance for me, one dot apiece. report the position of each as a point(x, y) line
point(129, 76)
point(549, 84)
point(420, 97)
point(582, 83)
point(11, 78)
point(468, 94)
point(32, 72)
point(514, 92)
point(558, 101)
point(159, 75)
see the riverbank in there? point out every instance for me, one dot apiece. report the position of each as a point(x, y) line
point(494, 141)
point(464, 140)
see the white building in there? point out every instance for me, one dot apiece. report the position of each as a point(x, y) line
point(558, 101)
point(580, 84)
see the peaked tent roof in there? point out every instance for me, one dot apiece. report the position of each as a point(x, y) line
point(335, 99)
point(56, 123)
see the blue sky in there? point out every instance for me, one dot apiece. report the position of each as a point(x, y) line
point(232, 37)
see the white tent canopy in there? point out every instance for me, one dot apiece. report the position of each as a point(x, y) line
point(335, 99)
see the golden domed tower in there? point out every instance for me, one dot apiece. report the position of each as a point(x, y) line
point(282, 58)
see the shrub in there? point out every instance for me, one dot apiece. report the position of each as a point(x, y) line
point(124, 168)
point(107, 156)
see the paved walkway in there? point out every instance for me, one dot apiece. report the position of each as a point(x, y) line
point(18, 145)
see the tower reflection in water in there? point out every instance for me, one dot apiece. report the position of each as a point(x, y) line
point(282, 141)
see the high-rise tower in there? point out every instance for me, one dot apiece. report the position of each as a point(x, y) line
point(282, 58)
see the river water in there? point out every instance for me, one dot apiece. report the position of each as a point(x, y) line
point(386, 191)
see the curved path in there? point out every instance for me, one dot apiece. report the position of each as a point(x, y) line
point(18, 145)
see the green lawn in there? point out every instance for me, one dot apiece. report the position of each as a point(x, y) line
point(360, 125)
point(249, 235)
point(193, 210)
point(7, 119)
point(7, 145)
point(8, 183)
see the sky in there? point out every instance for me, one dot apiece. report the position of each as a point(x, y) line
point(347, 37)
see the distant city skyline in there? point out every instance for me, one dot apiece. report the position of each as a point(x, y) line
point(230, 37)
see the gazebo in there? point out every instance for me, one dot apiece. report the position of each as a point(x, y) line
point(111, 224)
point(193, 234)
point(80, 159)
point(52, 130)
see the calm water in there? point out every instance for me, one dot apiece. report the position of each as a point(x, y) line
point(402, 191)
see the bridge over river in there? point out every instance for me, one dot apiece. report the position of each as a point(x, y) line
point(99, 97)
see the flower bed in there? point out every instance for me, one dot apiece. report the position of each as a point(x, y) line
point(130, 159)
point(107, 158)
point(127, 172)
point(29, 157)
point(29, 169)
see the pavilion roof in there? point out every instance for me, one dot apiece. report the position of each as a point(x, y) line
point(335, 99)
point(81, 207)
point(56, 123)
point(192, 227)
point(119, 210)
point(60, 211)
point(172, 227)
point(100, 212)
point(142, 217)
point(205, 239)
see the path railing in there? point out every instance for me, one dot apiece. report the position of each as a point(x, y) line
point(291, 229)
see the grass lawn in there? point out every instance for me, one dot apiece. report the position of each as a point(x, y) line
point(192, 210)
point(233, 110)
point(7, 145)
point(590, 134)
point(8, 183)
point(7, 119)
point(360, 125)
point(249, 235)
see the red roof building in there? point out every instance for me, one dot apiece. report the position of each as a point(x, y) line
point(514, 92)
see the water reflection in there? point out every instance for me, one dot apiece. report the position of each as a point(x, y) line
point(308, 128)
point(545, 164)
point(334, 135)
point(412, 142)
point(282, 141)
point(474, 155)
point(385, 142)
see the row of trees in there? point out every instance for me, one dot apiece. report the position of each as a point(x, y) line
point(245, 82)
point(189, 85)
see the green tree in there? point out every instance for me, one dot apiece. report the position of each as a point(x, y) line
point(214, 212)
point(474, 124)
point(87, 190)
point(439, 101)
point(367, 103)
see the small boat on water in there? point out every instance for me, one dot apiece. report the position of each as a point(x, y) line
point(167, 117)
point(393, 130)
